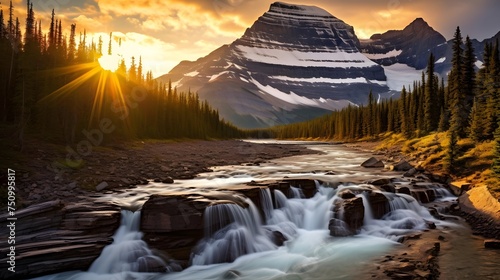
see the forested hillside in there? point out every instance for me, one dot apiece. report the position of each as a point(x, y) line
point(52, 85)
point(467, 107)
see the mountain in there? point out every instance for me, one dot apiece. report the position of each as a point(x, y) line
point(298, 62)
point(410, 46)
point(409, 49)
point(294, 63)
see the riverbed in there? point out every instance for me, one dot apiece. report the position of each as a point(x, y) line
point(309, 252)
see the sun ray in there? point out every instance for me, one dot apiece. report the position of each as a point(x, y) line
point(71, 86)
point(99, 97)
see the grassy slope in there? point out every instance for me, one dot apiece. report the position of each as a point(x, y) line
point(473, 164)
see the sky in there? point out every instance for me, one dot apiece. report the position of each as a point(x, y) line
point(165, 32)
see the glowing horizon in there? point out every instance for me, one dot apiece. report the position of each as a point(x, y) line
point(166, 32)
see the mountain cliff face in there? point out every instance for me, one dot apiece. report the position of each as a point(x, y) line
point(295, 63)
point(298, 62)
point(410, 46)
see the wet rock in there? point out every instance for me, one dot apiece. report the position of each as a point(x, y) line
point(402, 165)
point(430, 225)
point(339, 228)
point(403, 189)
point(492, 244)
point(346, 194)
point(354, 212)
point(168, 180)
point(307, 186)
point(101, 186)
point(410, 173)
point(55, 237)
point(380, 182)
point(372, 163)
point(379, 204)
point(278, 238)
point(388, 188)
point(173, 223)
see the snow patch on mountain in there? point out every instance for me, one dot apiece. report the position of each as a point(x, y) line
point(293, 98)
point(399, 75)
point(441, 60)
point(392, 53)
point(338, 59)
point(285, 9)
point(192, 74)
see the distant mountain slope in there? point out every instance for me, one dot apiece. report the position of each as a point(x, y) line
point(295, 63)
point(410, 46)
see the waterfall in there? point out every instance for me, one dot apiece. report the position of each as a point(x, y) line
point(296, 192)
point(266, 202)
point(231, 232)
point(128, 252)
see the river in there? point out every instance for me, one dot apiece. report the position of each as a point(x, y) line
point(309, 252)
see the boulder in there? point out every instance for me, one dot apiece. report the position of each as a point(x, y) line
point(372, 163)
point(410, 173)
point(339, 228)
point(346, 194)
point(353, 212)
point(380, 181)
point(459, 187)
point(402, 165)
point(101, 186)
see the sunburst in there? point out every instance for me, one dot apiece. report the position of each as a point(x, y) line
point(108, 83)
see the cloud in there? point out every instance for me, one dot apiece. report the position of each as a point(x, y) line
point(88, 23)
point(156, 54)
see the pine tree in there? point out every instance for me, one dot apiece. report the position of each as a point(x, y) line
point(496, 160)
point(459, 113)
point(451, 152)
point(475, 129)
point(132, 71)
point(469, 74)
point(109, 44)
point(72, 43)
point(140, 76)
point(403, 113)
point(431, 108)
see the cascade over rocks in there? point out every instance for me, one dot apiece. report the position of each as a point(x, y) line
point(173, 222)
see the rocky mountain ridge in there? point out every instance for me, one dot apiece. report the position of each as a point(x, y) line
point(298, 62)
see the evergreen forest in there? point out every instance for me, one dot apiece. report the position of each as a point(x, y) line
point(52, 86)
point(467, 107)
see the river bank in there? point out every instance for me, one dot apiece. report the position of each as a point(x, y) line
point(46, 172)
point(437, 250)
point(478, 205)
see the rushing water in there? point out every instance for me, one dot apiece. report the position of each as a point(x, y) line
point(238, 242)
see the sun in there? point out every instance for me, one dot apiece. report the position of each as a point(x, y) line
point(109, 62)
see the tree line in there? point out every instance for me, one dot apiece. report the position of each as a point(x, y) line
point(51, 84)
point(468, 106)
